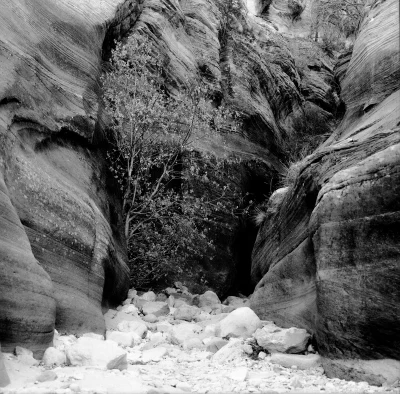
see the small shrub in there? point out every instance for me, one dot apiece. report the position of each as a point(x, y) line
point(311, 130)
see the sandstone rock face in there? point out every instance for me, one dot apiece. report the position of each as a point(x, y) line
point(327, 258)
point(60, 249)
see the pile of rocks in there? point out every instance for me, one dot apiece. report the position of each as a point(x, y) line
point(176, 342)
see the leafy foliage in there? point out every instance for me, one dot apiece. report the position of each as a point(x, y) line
point(311, 131)
point(152, 159)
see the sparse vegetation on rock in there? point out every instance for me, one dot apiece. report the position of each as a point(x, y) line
point(166, 215)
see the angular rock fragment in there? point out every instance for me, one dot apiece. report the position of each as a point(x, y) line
point(137, 326)
point(123, 338)
point(186, 312)
point(275, 339)
point(155, 354)
point(156, 308)
point(183, 331)
point(302, 362)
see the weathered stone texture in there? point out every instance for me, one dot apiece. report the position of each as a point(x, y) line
point(344, 205)
point(60, 252)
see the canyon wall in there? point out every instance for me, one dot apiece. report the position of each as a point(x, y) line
point(61, 253)
point(326, 257)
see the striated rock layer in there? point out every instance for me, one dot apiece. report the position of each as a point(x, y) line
point(61, 254)
point(327, 258)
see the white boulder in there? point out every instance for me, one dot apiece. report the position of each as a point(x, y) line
point(53, 356)
point(149, 296)
point(209, 298)
point(95, 353)
point(232, 351)
point(155, 354)
point(275, 339)
point(301, 362)
point(181, 332)
point(156, 308)
point(242, 322)
point(186, 312)
point(123, 338)
point(137, 326)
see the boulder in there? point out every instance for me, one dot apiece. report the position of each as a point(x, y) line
point(123, 338)
point(215, 344)
point(113, 317)
point(177, 303)
point(181, 332)
point(213, 330)
point(236, 302)
point(232, 351)
point(47, 376)
point(186, 312)
point(155, 340)
point(275, 339)
point(53, 356)
point(242, 322)
point(202, 317)
point(132, 293)
point(156, 308)
point(25, 356)
point(301, 362)
point(149, 296)
point(130, 309)
point(155, 354)
point(209, 298)
point(217, 309)
point(239, 374)
point(150, 318)
point(164, 326)
point(228, 308)
point(94, 353)
point(63, 341)
point(170, 291)
point(162, 297)
point(192, 343)
point(137, 326)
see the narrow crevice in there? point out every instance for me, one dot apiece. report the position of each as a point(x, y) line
point(9, 100)
point(257, 185)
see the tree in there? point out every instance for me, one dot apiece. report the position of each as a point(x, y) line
point(152, 134)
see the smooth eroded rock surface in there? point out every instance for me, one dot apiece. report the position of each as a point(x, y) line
point(60, 248)
point(327, 257)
